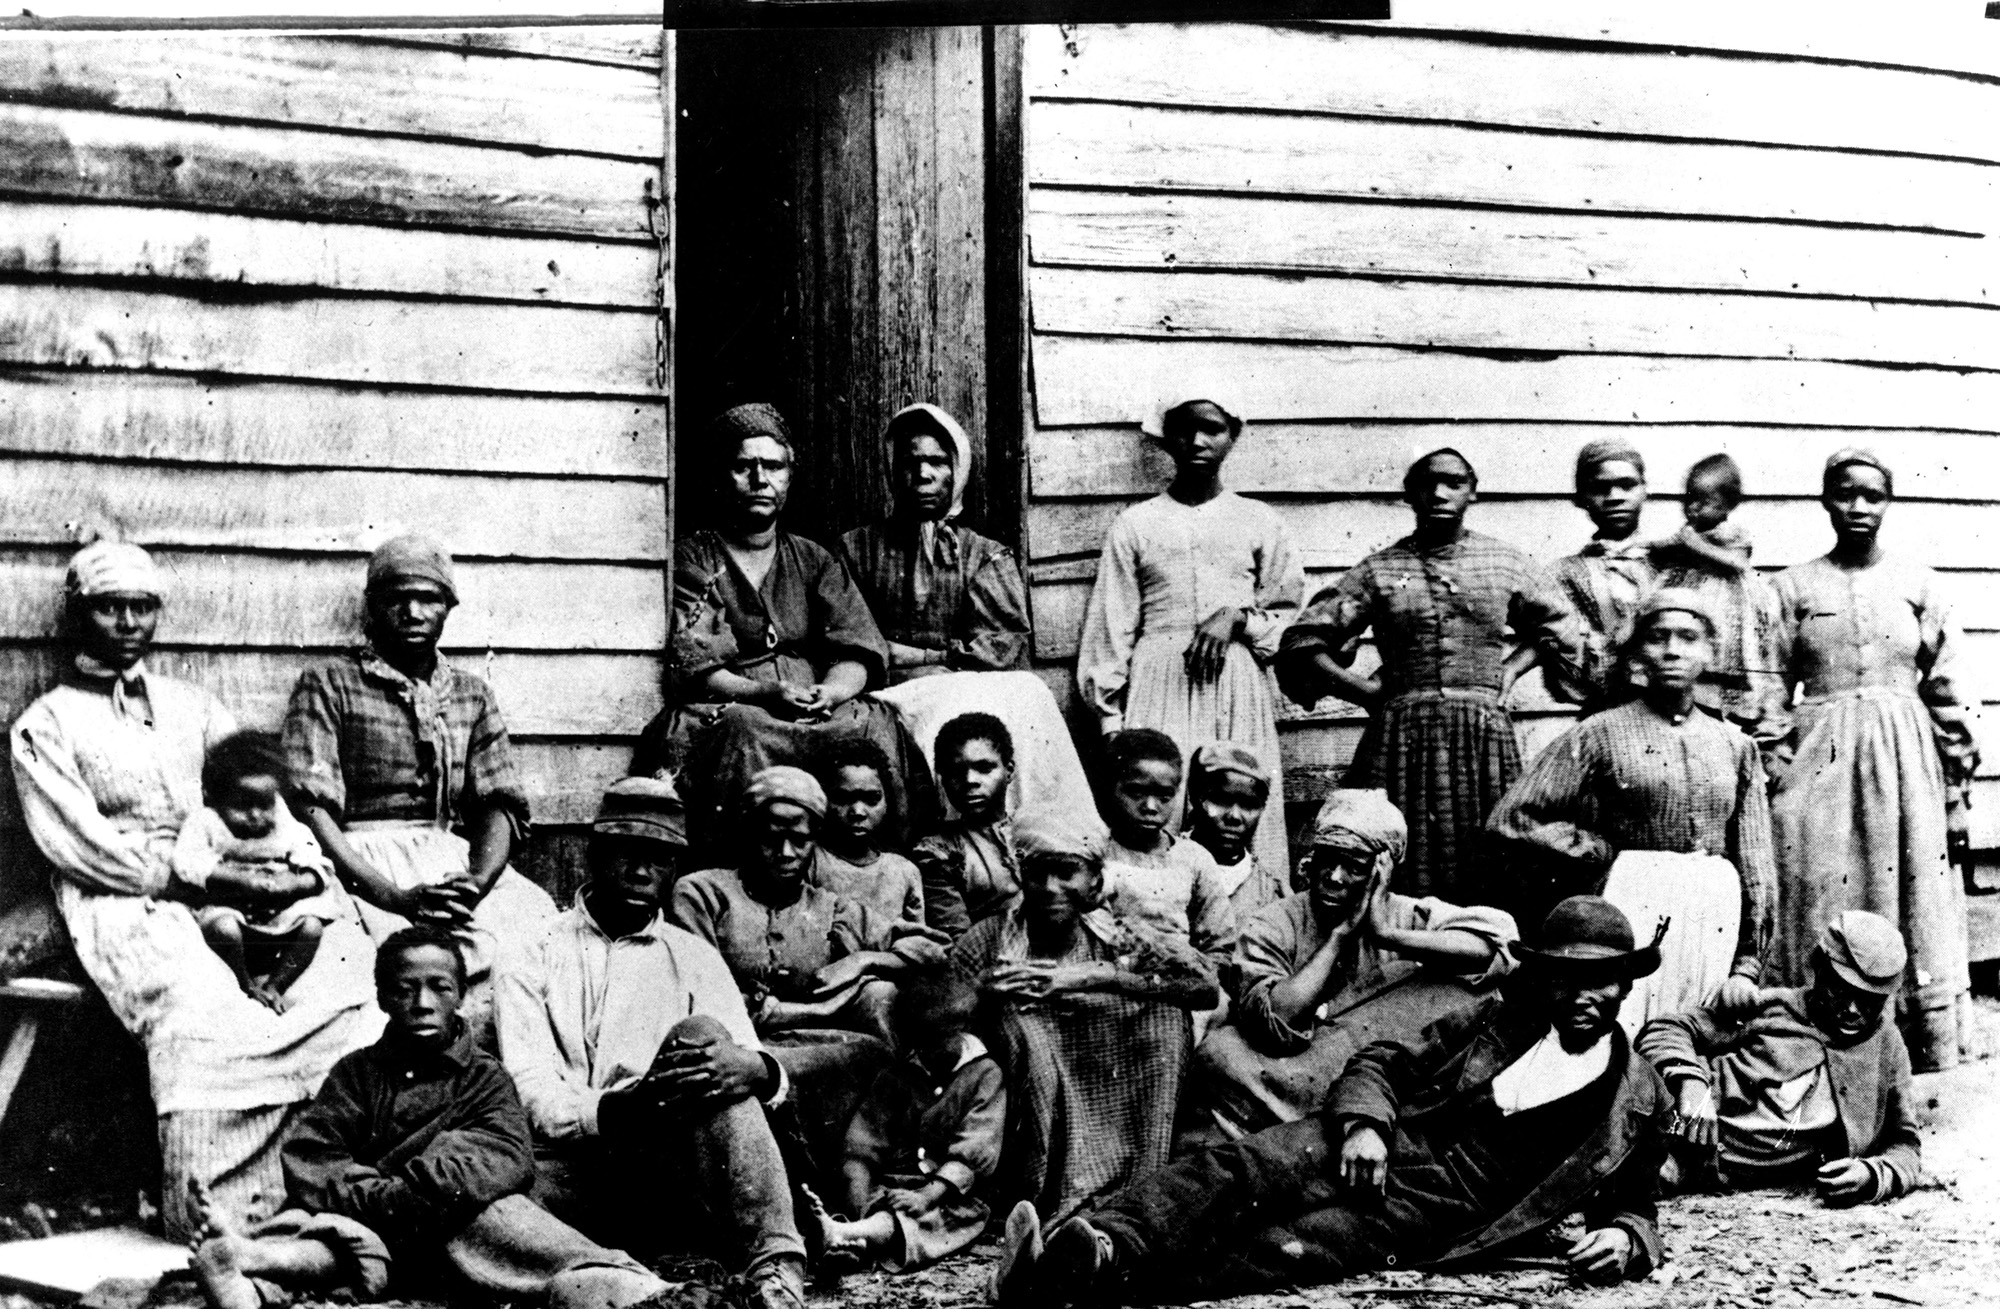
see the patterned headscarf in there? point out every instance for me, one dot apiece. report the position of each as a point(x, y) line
point(1042, 833)
point(1675, 599)
point(782, 782)
point(1608, 450)
point(412, 557)
point(732, 427)
point(1361, 820)
point(113, 568)
point(1223, 758)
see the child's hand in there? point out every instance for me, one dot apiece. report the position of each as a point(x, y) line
point(919, 1201)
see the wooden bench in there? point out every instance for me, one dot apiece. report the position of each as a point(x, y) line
point(27, 1000)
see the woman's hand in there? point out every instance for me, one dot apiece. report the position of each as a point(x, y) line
point(783, 700)
point(1364, 1158)
point(1601, 1255)
point(1738, 996)
point(448, 903)
point(1209, 648)
point(1019, 981)
point(1375, 904)
point(1694, 1113)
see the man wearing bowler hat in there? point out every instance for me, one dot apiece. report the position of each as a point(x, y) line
point(641, 1073)
point(1440, 1150)
point(1813, 1086)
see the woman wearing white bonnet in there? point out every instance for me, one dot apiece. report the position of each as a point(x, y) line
point(1194, 589)
point(108, 764)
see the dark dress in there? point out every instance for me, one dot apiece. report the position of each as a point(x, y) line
point(964, 595)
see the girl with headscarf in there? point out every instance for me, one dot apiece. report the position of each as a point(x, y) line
point(946, 597)
point(773, 648)
point(1663, 807)
point(1089, 1016)
point(1194, 590)
point(1458, 618)
point(1342, 962)
point(1872, 785)
point(403, 768)
point(108, 766)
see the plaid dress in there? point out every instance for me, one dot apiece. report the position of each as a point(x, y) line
point(1441, 744)
point(1093, 1079)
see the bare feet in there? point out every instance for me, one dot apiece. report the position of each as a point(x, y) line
point(260, 991)
point(842, 1245)
point(215, 1254)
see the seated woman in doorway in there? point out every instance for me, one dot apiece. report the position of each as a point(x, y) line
point(1340, 964)
point(108, 767)
point(403, 770)
point(773, 646)
point(1088, 1016)
point(1663, 807)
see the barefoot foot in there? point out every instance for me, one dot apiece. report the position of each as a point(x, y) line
point(221, 1278)
point(840, 1245)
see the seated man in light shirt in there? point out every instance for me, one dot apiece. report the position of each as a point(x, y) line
point(641, 1073)
point(1812, 1086)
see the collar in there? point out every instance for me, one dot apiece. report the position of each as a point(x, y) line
point(1632, 547)
point(656, 928)
point(375, 666)
point(128, 691)
point(970, 1048)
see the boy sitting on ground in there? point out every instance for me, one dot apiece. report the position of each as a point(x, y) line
point(924, 1138)
point(413, 1162)
point(266, 890)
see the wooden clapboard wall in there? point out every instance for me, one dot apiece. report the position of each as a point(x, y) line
point(1380, 238)
point(266, 300)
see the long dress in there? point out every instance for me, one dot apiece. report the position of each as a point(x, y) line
point(1165, 567)
point(1441, 743)
point(105, 790)
point(1746, 683)
point(1093, 1079)
point(1879, 739)
point(1669, 819)
point(805, 616)
point(1605, 583)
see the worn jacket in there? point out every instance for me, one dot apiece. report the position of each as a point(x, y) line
point(411, 1148)
point(1610, 1176)
point(1871, 1078)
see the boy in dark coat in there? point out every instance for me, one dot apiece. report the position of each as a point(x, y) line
point(1490, 1127)
point(1811, 1087)
point(415, 1159)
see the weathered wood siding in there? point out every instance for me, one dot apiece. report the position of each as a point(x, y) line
point(267, 300)
point(1376, 239)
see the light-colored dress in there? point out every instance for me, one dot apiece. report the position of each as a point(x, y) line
point(888, 885)
point(1880, 737)
point(206, 844)
point(105, 788)
point(1167, 566)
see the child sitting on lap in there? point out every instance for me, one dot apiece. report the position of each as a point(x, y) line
point(851, 862)
point(925, 1139)
point(265, 889)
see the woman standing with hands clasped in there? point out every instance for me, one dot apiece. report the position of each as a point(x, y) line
point(1194, 590)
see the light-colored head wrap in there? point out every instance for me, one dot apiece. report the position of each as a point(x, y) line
point(114, 568)
point(1358, 820)
point(929, 420)
point(412, 557)
point(1057, 833)
point(1610, 449)
point(786, 783)
point(1154, 424)
point(1855, 454)
point(1224, 758)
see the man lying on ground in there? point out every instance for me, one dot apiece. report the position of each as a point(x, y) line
point(1490, 1128)
point(1813, 1086)
point(412, 1164)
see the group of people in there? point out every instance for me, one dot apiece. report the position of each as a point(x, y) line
point(866, 954)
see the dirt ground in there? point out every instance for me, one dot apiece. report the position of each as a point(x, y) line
point(1938, 1247)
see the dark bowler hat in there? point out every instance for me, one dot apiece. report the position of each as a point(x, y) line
point(1587, 939)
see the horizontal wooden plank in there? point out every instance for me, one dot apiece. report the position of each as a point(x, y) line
point(1142, 146)
point(1095, 380)
point(1339, 533)
point(566, 780)
point(1108, 228)
point(1187, 303)
point(199, 420)
point(1384, 72)
point(550, 695)
point(179, 245)
point(633, 46)
point(83, 155)
point(300, 80)
point(1512, 458)
point(533, 348)
point(262, 600)
point(345, 511)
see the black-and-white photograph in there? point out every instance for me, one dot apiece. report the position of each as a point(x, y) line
point(758, 656)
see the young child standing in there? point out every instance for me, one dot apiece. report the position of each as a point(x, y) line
point(1164, 882)
point(968, 868)
point(851, 863)
point(267, 889)
point(925, 1139)
point(1227, 791)
point(1710, 556)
